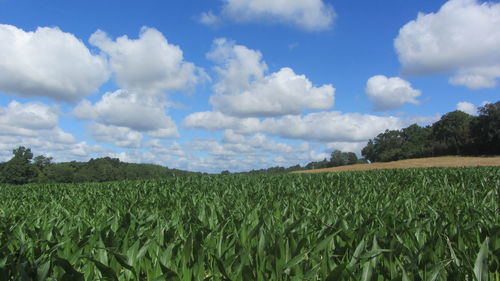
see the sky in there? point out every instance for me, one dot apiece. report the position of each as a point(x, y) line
point(213, 85)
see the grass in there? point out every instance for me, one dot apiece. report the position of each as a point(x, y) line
point(445, 161)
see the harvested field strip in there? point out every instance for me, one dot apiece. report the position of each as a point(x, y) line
point(447, 161)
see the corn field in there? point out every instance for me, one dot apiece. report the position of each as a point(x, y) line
point(413, 224)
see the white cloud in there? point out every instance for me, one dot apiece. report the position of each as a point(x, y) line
point(30, 116)
point(243, 153)
point(209, 18)
point(321, 126)
point(119, 136)
point(158, 148)
point(245, 91)
point(238, 66)
point(32, 121)
point(310, 15)
point(128, 109)
point(214, 121)
point(81, 150)
point(476, 78)
point(462, 38)
point(467, 107)
point(46, 145)
point(36, 125)
point(48, 62)
point(149, 64)
point(355, 147)
point(330, 126)
point(390, 93)
point(258, 142)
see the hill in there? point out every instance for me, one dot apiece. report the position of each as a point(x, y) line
point(445, 161)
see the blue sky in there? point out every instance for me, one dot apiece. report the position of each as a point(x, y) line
point(236, 84)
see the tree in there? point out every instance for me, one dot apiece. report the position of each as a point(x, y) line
point(362, 161)
point(42, 162)
point(368, 151)
point(317, 165)
point(387, 146)
point(485, 129)
point(453, 130)
point(19, 170)
point(351, 158)
point(417, 142)
point(337, 159)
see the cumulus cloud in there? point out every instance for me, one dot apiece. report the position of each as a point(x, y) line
point(242, 153)
point(128, 109)
point(49, 63)
point(309, 15)
point(149, 64)
point(355, 147)
point(158, 148)
point(36, 125)
point(209, 18)
point(29, 116)
point(244, 89)
point(119, 136)
point(461, 39)
point(467, 107)
point(330, 126)
point(390, 93)
point(320, 126)
point(48, 145)
point(32, 121)
point(215, 121)
point(260, 142)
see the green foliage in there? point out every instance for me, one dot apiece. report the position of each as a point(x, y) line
point(318, 165)
point(456, 133)
point(18, 170)
point(415, 224)
point(453, 131)
point(273, 170)
point(486, 129)
point(339, 158)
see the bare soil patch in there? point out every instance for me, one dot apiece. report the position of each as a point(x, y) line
point(446, 161)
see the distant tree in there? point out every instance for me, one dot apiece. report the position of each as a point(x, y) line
point(387, 146)
point(225, 172)
point(294, 168)
point(18, 170)
point(317, 165)
point(485, 129)
point(62, 172)
point(369, 152)
point(351, 158)
point(42, 162)
point(362, 161)
point(337, 158)
point(453, 130)
point(417, 141)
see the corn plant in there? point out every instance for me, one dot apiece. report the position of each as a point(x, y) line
point(412, 224)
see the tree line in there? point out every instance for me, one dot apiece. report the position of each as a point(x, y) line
point(456, 133)
point(23, 168)
point(337, 158)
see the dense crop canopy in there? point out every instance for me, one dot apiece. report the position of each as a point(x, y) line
point(416, 224)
